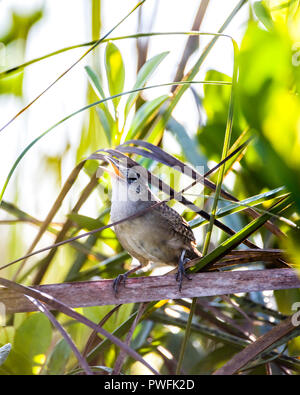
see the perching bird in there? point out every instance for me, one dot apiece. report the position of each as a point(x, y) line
point(160, 235)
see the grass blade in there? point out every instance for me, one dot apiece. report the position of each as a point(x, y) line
point(95, 82)
point(143, 75)
point(115, 71)
point(235, 240)
point(144, 115)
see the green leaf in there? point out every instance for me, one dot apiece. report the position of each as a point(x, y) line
point(115, 71)
point(14, 40)
point(249, 202)
point(85, 222)
point(239, 206)
point(263, 15)
point(216, 97)
point(4, 351)
point(294, 347)
point(96, 313)
point(158, 128)
point(107, 126)
point(31, 341)
point(88, 223)
point(211, 361)
point(106, 268)
point(240, 236)
point(143, 75)
point(265, 65)
point(59, 358)
point(189, 146)
point(285, 298)
point(144, 115)
point(216, 103)
point(95, 82)
point(141, 334)
point(104, 115)
point(266, 76)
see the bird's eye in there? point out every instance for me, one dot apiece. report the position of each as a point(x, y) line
point(132, 176)
point(131, 179)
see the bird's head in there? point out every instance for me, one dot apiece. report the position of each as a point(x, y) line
point(129, 182)
point(129, 174)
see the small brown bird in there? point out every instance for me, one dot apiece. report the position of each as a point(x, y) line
point(160, 235)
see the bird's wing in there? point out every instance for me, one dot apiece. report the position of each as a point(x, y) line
point(176, 222)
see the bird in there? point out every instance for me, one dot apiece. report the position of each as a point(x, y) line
point(160, 235)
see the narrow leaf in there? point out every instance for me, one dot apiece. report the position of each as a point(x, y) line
point(143, 75)
point(95, 82)
point(115, 71)
point(239, 206)
point(59, 358)
point(106, 124)
point(263, 15)
point(187, 144)
point(105, 116)
point(240, 236)
point(144, 115)
point(84, 221)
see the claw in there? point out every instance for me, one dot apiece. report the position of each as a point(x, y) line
point(118, 280)
point(181, 270)
point(122, 278)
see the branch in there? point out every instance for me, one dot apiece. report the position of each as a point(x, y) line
point(145, 289)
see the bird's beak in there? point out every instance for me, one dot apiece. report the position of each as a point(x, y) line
point(115, 167)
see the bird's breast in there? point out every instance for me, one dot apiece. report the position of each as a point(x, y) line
point(146, 237)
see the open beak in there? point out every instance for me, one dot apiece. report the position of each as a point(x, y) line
point(115, 166)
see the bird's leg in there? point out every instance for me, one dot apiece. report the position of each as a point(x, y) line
point(181, 270)
point(123, 277)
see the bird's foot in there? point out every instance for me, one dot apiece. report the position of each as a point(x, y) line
point(181, 270)
point(118, 280)
point(121, 278)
